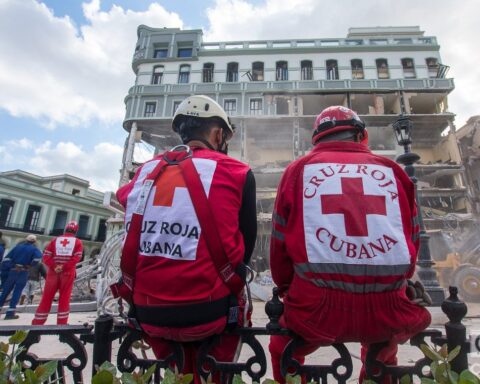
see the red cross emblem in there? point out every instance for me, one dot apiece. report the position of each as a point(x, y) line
point(354, 205)
point(165, 186)
point(64, 242)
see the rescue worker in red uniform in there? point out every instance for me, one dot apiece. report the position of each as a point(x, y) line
point(344, 242)
point(178, 293)
point(60, 256)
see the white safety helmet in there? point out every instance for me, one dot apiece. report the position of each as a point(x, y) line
point(204, 107)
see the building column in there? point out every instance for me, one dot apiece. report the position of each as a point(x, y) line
point(128, 155)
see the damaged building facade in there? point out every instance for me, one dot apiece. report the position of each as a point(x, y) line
point(273, 89)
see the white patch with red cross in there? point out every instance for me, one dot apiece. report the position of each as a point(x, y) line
point(170, 227)
point(64, 246)
point(352, 215)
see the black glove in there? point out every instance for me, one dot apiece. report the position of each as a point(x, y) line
point(416, 293)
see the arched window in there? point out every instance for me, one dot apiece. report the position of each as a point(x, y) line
point(282, 70)
point(382, 68)
point(408, 68)
point(357, 69)
point(332, 70)
point(157, 74)
point(184, 74)
point(432, 65)
point(306, 69)
point(257, 71)
point(207, 73)
point(232, 72)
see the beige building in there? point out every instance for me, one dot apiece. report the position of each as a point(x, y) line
point(273, 89)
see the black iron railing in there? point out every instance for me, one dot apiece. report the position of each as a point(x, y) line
point(339, 370)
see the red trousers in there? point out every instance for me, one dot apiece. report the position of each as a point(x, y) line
point(278, 344)
point(224, 351)
point(325, 316)
point(62, 282)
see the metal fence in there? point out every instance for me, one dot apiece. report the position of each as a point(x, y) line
point(106, 330)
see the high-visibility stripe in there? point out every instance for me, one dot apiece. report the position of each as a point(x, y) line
point(278, 219)
point(357, 288)
point(278, 235)
point(352, 269)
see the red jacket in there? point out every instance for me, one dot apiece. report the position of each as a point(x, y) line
point(174, 267)
point(65, 250)
point(344, 222)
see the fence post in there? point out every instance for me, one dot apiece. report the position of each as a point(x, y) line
point(456, 332)
point(274, 309)
point(102, 341)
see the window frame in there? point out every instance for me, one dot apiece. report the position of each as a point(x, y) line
point(182, 74)
point(256, 75)
point(281, 70)
point(260, 110)
point(208, 72)
point(332, 70)
point(356, 71)
point(228, 111)
point(234, 73)
point(380, 70)
point(306, 72)
point(157, 75)
point(409, 72)
point(150, 113)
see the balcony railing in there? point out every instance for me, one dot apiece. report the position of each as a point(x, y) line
point(22, 228)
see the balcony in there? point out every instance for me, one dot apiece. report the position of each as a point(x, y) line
point(444, 85)
point(22, 228)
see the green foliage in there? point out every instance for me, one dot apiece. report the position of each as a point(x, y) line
point(11, 371)
point(441, 369)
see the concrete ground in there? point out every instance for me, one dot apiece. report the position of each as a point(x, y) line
point(49, 347)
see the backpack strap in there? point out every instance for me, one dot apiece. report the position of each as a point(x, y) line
point(205, 216)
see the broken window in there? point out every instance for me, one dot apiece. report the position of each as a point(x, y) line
point(382, 68)
point(232, 72)
point(307, 69)
point(157, 74)
point(408, 68)
point(332, 70)
point(282, 70)
point(357, 69)
point(432, 65)
point(207, 73)
point(257, 71)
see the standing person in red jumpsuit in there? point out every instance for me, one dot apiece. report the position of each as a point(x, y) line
point(344, 243)
point(60, 256)
point(178, 290)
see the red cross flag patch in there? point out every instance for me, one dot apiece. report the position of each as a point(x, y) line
point(64, 246)
point(352, 215)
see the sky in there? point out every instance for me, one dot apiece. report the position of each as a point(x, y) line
point(65, 65)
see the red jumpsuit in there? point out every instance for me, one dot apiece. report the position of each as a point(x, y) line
point(65, 251)
point(344, 241)
point(178, 293)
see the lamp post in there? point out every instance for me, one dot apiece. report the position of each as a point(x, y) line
point(403, 132)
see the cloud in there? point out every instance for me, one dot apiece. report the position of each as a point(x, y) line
point(455, 25)
point(100, 166)
point(55, 72)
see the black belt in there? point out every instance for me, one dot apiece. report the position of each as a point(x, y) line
point(183, 315)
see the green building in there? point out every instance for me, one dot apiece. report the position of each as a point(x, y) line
point(31, 204)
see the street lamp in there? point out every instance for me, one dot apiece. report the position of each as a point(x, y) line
point(403, 128)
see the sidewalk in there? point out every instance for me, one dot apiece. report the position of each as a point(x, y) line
point(51, 347)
